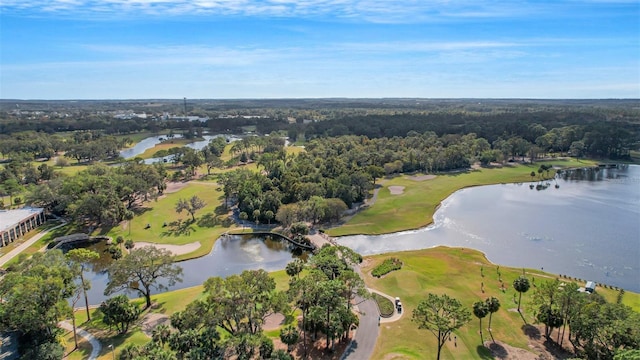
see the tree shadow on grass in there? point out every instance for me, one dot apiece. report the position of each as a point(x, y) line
point(531, 331)
point(179, 228)
point(484, 353)
point(497, 351)
point(139, 210)
point(558, 351)
point(209, 220)
point(221, 209)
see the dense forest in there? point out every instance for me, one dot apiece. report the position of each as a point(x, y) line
point(348, 148)
point(346, 151)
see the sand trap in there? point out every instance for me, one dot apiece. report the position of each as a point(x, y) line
point(422, 177)
point(175, 249)
point(396, 190)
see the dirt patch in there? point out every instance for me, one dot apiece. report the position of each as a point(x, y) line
point(174, 187)
point(421, 177)
point(150, 321)
point(504, 351)
point(396, 190)
point(175, 249)
point(273, 321)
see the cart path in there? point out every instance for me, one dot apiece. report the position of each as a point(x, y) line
point(96, 347)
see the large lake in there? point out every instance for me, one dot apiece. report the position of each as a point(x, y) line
point(587, 228)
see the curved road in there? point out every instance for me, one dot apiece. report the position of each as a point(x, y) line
point(362, 345)
point(95, 344)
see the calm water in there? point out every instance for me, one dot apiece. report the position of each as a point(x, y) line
point(143, 146)
point(230, 255)
point(152, 141)
point(585, 228)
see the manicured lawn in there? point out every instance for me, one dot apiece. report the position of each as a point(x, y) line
point(179, 229)
point(414, 208)
point(455, 272)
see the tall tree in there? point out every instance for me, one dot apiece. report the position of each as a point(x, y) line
point(546, 296)
point(191, 206)
point(78, 259)
point(480, 310)
point(142, 271)
point(119, 312)
point(240, 303)
point(521, 284)
point(493, 305)
point(12, 187)
point(441, 315)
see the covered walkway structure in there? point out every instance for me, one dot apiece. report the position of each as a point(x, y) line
point(16, 223)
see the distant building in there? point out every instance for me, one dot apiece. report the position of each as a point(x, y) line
point(16, 223)
point(189, 118)
point(128, 115)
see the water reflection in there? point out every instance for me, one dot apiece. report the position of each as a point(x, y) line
point(598, 173)
point(230, 255)
point(589, 227)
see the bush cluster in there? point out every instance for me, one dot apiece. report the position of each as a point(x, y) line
point(387, 309)
point(387, 266)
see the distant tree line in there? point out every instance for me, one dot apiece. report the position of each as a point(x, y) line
point(594, 133)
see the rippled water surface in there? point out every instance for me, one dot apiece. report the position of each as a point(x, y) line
point(588, 227)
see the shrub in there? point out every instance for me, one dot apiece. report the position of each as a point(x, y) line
point(386, 306)
point(387, 266)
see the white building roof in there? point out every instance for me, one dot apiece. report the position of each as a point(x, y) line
point(11, 218)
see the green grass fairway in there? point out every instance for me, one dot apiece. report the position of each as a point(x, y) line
point(179, 230)
point(455, 272)
point(414, 208)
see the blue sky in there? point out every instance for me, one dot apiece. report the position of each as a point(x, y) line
point(141, 49)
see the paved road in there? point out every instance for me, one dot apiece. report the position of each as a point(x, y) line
point(95, 344)
point(364, 342)
point(15, 252)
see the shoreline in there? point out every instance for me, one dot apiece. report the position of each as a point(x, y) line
point(186, 256)
point(439, 202)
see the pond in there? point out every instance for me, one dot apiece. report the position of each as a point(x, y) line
point(144, 145)
point(588, 227)
point(150, 142)
point(230, 255)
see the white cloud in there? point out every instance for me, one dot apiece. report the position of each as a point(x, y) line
point(407, 11)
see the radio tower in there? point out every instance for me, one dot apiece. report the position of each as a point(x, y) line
point(185, 107)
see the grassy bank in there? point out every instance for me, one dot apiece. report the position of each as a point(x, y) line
point(457, 273)
point(179, 228)
point(166, 145)
point(414, 208)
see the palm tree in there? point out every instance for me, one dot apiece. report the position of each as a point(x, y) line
point(522, 285)
point(480, 310)
point(161, 334)
point(243, 217)
point(493, 304)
